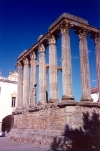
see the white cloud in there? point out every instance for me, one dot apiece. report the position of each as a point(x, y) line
point(94, 80)
point(75, 57)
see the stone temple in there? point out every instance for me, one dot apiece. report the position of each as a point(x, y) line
point(39, 123)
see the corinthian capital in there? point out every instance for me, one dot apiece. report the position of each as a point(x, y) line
point(33, 55)
point(19, 65)
point(52, 40)
point(82, 33)
point(26, 61)
point(41, 48)
point(65, 27)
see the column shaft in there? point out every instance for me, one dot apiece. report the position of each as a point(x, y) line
point(53, 80)
point(20, 86)
point(97, 47)
point(42, 75)
point(26, 83)
point(84, 65)
point(66, 64)
point(33, 79)
point(46, 84)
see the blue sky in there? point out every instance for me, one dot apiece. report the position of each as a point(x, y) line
point(22, 21)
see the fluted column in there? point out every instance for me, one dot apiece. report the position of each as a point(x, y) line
point(26, 83)
point(46, 84)
point(66, 63)
point(42, 75)
point(84, 65)
point(20, 86)
point(33, 78)
point(53, 80)
point(97, 47)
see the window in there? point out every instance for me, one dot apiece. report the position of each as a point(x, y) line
point(13, 101)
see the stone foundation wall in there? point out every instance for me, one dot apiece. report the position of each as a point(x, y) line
point(43, 123)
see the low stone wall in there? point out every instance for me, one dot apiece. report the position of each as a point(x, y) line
point(48, 124)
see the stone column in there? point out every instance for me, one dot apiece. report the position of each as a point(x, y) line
point(97, 47)
point(20, 86)
point(33, 78)
point(47, 84)
point(42, 75)
point(66, 63)
point(26, 83)
point(84, 65)
point(53, 79)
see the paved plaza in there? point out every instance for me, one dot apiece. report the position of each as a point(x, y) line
point(6, 145)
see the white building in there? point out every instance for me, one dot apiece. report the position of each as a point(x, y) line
point(8, 94)
point(95, 94)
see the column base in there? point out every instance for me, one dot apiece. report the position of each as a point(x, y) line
point(65, 97)
point(86, 99)
point(98, 100)
point(53, 100)
point(17, 108)
point(41, 103)
point(32, 105)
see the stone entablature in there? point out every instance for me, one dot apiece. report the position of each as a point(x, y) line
point(68, 17)
point(56, 26)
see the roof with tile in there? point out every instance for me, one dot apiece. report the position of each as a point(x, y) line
point(94, 90)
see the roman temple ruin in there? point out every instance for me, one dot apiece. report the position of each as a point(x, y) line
point(39, 122)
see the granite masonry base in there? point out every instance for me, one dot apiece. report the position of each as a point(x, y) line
point(64, 97)
point(50, 124)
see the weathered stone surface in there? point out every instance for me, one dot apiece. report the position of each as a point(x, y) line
point(70, 109)
point(49, 121)
point(97, 47)
point(66, 62)
point(68, 16)
point(20, 86)
point(26, 83)
point(53, 79)
point(33, 79)
point(42, 75)
point(84, 65)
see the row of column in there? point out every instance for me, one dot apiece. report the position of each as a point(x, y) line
point(23, 92)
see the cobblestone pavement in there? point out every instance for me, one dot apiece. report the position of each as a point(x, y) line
point(6, 145)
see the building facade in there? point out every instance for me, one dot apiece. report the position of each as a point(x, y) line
point(8, 94)
point(95, 94)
